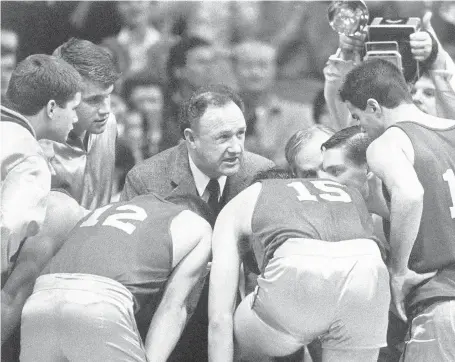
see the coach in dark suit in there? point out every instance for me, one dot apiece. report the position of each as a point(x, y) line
point(210, 163)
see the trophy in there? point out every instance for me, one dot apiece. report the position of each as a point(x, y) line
point(348, 17)
point(386, 38)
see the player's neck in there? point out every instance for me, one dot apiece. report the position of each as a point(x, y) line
point(404, 112)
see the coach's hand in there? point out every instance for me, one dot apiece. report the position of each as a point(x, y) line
point(351, 46)
point(401, 284)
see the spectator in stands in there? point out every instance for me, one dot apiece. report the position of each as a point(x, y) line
point(426, 49)
point(270, 120)
point(145, 97)
point(9, 40)
point(188, 67)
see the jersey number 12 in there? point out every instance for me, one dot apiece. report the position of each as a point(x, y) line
point(117, 220)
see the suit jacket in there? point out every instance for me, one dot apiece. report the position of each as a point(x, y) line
point(168, 173)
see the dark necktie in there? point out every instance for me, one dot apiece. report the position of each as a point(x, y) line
point(213, 188)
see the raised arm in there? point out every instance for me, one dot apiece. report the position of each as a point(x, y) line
point(233, 223)
point(171, 316)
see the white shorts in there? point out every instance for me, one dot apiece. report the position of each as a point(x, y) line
point(338, 292)
point(79, 317)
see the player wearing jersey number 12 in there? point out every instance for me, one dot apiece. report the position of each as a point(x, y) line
point(127, 261)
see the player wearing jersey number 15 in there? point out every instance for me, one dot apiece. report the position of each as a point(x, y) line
point(127, 261)
point(322, 275)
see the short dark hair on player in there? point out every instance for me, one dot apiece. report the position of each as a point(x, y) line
point(300, 138)
point(93, 62)
point(38, 79)
point(178, 56)
point(195, 204)
point(272, 173)
point(194, 108)
point(353, 140)
point(378, 79)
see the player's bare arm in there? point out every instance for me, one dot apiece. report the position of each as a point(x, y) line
point(193, 235)
point(233, 223)
point(391, 157)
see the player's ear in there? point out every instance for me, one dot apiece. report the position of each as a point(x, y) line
point(374, 107)
point(50, 108)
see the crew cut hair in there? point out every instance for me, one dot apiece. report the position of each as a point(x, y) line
point(353, 140)
point(300, 139)
point(38, 79)
point(194, 108)
point(378, 79)
point(93, 62)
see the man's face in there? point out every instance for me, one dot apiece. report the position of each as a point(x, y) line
point(336, 166)
point(198, 69)
point(63, 119)
point(423, 95)
point(94, 109)
point(256, 69)
point(8, 63)
point(219, 140)
point(147, 98)
point(368, 120)
point(308, 160)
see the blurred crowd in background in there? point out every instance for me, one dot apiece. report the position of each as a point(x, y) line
point(272, 52)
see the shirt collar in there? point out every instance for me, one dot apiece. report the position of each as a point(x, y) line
point(201, 179)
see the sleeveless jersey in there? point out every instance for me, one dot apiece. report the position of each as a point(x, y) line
point(434, 248)
point(305, 208)
point(129, 242)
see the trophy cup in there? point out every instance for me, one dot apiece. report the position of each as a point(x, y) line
point(386, 38)
point(348, 17)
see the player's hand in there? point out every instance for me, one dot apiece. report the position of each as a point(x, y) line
point(400, 286)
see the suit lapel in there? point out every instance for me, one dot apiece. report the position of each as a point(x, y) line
point(182, 179)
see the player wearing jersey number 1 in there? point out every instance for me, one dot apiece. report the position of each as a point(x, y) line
point(125, 261)
point(322, 275)
point(414, 155)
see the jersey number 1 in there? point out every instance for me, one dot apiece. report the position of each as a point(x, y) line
point(449, 176)
point(117, 220)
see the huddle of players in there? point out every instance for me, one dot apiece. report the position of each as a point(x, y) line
point(323, 274)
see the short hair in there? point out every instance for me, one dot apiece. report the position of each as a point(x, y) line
point(353, 140)
point(93, 62)
point(195, 204)
point(194, 108)
point(38, 79)
point(178, 55)
point(272, 173)
point(300, 138)
point(378, 79)
point(131, 83)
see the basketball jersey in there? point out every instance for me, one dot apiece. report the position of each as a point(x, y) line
point(305, 208)
point(129, 242)
point(86, 171)
point(434, 247)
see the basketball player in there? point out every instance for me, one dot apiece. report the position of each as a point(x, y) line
point(322, 275)
point(120, 260)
